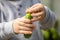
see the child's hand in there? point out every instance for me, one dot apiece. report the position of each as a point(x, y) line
point(37, 11)
point(23, 26)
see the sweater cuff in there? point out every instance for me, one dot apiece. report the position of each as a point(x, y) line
point(46, 19)
point(8, 29)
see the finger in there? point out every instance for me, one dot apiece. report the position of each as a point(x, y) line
point(31, 10)
point(36, 19)
point(25, 28)
point(25, 32)
point(37, 14)
point(24, 20)
point(35, 9)
point(37, 4)
point(26, 25)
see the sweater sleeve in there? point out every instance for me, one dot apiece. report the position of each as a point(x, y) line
point(49, 20)
point(6, 30)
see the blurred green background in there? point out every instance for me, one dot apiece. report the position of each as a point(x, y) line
point(54, 32)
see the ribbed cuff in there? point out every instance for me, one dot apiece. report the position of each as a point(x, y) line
point(46, 19)
point(8, 29)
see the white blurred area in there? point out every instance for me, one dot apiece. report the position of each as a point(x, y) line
point(55, 4)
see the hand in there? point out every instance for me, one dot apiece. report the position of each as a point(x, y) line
point(37, 11)
point(22, 26)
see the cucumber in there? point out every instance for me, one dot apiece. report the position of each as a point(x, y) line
point(28, 16)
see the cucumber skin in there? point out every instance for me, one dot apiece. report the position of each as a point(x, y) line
point(28, 16)
point(27, 35)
